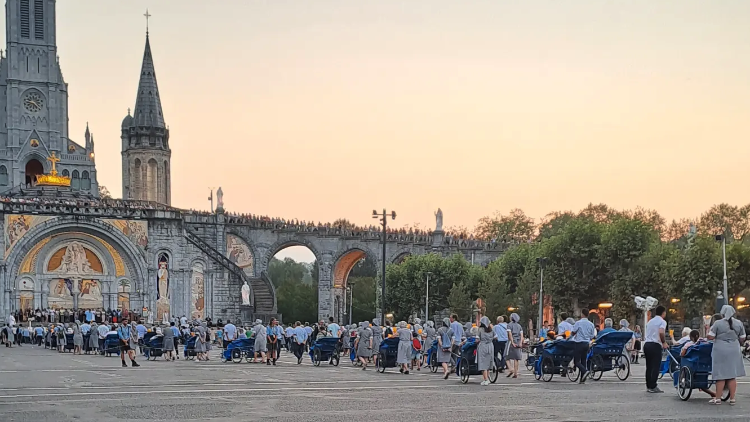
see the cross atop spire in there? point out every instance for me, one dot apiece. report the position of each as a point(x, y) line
point(147, 15)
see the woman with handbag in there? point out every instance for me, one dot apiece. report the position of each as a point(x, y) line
point(446, 339)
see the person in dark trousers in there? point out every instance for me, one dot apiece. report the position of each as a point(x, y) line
point(654, 343)
point(500, 341)
point(582, 334)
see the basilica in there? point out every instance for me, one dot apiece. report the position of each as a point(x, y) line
point(65, 247)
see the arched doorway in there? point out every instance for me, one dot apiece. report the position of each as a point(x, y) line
point(33, 169)
point(294, 272)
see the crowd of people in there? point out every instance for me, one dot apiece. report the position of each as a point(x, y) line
point(57, 315)
point(500, 345)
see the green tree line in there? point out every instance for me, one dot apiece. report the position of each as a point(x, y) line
point(593, 256)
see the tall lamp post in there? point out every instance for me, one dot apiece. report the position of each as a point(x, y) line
point(427, 299)
point(383, 219)
point(350, 289)
point(542, 263)
point(723, 239)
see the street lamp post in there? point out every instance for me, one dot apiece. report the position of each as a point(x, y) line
point(383, 219)
point(350, 287)
point(542, 263)
point(723, 240)
point(427, 299)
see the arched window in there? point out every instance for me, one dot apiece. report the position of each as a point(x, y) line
point(166, 181)
point(85, 181)
point(151, 181)
point(3, 176)
point(135, 190)
point(66, 173)
point(75, 182)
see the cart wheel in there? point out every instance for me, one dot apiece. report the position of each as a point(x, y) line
point(595, 365)
point(530, 364)
point(433, 362)
point(494, 372)
point(381, 365)
point(316, 357)
point(572, 373)
point(547, 368)
point(224, 359)
point(236, 355)
point(335, 360)
point(622, 369)
point(685, 383)
point(464, 371)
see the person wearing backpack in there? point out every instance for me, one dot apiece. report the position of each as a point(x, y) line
point(446, 339)
point(416, 351)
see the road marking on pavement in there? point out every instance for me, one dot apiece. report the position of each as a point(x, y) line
point(233, 390)
point(223, 384)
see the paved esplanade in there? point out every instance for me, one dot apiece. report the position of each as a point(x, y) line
point(42, 385)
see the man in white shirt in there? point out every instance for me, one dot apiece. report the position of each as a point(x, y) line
point(582, 334)
point(11, 321)
point(334, 329)
point(564, 325)
point(654, 343)
point(230, 333)
point(102, 331)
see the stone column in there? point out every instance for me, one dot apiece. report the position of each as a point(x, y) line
point(325, 285)
point(44, 283)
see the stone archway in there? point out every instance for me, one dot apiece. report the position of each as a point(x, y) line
point(40, 251)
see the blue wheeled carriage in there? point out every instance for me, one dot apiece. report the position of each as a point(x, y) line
point(112, 344)
point(153, 346)
point(556, 359)
point(388, 354)
point(239, 349)
point(695, 371)
point(671, 364)
point(467, 364)
point(431, 354)
point(189, 349)
point(607, 354)
point(325, 349)
point(535, 354)
point(353, 351)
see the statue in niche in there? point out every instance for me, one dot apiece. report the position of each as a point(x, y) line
point(245, 294)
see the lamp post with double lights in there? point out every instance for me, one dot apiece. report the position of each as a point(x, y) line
point(542, 263)
point(384, 220)
point(723, 239)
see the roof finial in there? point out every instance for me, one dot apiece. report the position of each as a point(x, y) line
point(128, 111)
point(147, 15)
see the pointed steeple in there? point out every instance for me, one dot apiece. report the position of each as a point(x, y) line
point(148, 110)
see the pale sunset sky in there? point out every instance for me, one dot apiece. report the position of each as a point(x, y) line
point(320, 110)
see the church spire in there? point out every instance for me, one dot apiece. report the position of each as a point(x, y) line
point(148, 110)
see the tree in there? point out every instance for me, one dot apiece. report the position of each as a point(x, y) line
point(514, 227)
point(729, 220)
point(677, 230)
point(553, 223)
point(296, 299)
point(104, 192)
point(575, 275)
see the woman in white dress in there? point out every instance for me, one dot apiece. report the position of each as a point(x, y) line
point(728, 335)
point(260, 341)
point(404, 347)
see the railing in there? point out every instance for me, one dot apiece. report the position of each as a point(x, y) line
point(269, 283)
point(220, 258)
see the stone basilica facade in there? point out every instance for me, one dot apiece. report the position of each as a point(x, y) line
point(64, 247)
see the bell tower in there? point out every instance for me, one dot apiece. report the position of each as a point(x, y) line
point(145, 141)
